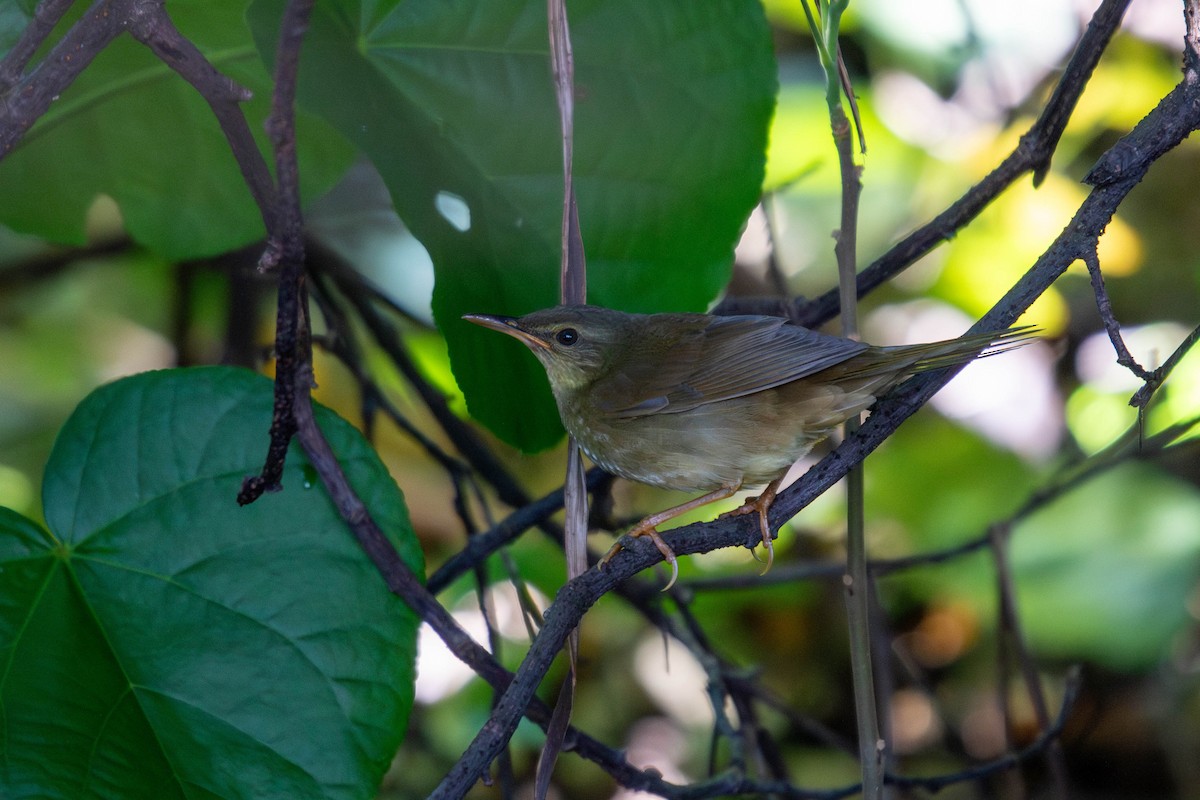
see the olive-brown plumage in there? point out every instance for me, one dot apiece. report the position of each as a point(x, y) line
point(703, 403)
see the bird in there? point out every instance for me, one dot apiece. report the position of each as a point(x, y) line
point(713, 404)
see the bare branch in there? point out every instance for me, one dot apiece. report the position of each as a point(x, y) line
point(1124, 357)
point(1010, 627)
point(1142, 397)
point(293, 350)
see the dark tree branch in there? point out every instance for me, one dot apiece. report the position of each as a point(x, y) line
point(44, 266)
point(27, 98)
point(1142, 397)
point(480, 546)
point(464, 438)
point(1049, 737)
point(1067, 480)
point(345, 347)
point(1011, 628)
point(293, 350)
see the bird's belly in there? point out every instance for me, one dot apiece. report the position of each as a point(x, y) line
point(697, 451)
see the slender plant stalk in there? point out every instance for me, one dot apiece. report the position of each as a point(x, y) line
point(856, 579)
point(824, 27)
point(573, 290)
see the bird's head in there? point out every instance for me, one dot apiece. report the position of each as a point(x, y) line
point(575, 344)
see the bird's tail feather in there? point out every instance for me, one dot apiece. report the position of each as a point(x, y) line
point(967, 348)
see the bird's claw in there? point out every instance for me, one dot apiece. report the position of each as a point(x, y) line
point(664, 548)
point(757, 506)
point(768, 542)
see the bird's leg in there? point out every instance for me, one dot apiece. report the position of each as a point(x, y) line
point(761, 504)
point(649, 527)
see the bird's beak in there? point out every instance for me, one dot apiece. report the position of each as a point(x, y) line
point(510, 326)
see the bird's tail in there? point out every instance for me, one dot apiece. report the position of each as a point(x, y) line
point(936, 355)
point(881, 368)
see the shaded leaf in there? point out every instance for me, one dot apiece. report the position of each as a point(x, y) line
point(454, 104)
point(160, 641)
point(132, 129)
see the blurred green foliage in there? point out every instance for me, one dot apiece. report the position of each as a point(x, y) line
point(672, 126)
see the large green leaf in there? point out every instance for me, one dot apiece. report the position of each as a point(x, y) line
point(159, 641)
point(131, 128)
point(453, 102)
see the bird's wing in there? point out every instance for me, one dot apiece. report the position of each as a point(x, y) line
point(727, 357)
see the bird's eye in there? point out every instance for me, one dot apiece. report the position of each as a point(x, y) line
point(567, 337)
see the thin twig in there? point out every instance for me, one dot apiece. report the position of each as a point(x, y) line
point(155, 29)
point(1050, 736)
point(47, 265)
point(480, 546)
point(464, 438)
point(1104, 305)
point(1141, 397)
point(347, 350)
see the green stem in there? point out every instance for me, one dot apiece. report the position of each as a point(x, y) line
point(856, 580)
point(824, 26)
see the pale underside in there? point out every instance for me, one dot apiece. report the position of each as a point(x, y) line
point(711, 450)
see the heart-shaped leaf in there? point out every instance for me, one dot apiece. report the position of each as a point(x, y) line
point(159, 641)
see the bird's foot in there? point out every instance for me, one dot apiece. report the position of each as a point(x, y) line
point(641, 529)
point(760, 505)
